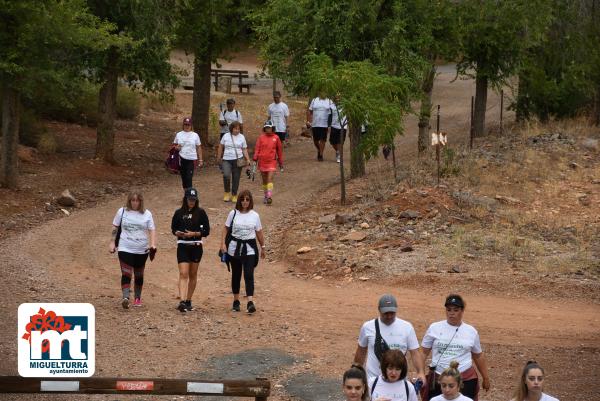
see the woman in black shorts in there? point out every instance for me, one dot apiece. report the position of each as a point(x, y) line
point(190, 225)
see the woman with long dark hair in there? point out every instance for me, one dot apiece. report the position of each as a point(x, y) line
point(136, 240)
point(242, 247)
point(190, 225)
point(531, 384)
point(354, 384)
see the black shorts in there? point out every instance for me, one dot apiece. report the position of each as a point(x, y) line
point(335, 138)
point(319, 133)
point(135, 260)
point(281, 136)
point(189, 253)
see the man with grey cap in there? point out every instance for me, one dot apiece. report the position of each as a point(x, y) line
point(395, 333)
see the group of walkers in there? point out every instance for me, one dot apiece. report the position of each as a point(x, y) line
point(380, 367)
point(134, 237)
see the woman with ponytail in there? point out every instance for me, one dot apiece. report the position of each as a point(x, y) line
point(531, 384)
point(354, 384)
point(451, 383)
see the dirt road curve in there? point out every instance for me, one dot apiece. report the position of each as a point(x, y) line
point(312, 323)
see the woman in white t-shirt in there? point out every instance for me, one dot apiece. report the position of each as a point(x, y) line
point(188, 144)
point(241, 237)
point(531, 384)
point(233, 146)
point(454, 340)
point(451, 383)
point(135, 242)
point(391, 384)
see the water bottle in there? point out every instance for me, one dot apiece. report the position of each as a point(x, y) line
point(418, 384)
point(224, 257)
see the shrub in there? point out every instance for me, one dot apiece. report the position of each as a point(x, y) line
point(47, 143)
point(128, 103)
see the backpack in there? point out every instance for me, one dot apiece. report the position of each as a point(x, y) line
point(173, 162)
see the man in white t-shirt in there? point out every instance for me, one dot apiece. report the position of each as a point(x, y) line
point(318, 119)
point(397, 334)
point(279, 113)
point(229, 115)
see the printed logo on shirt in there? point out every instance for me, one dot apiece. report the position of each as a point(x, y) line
point(56, 340)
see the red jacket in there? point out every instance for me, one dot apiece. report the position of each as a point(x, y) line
point(268, 149)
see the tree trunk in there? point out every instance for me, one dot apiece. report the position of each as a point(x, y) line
point(11, 111)
point(201, 99)
point(481, 86)
point(107, 105)
point(425, 113)
point(597, 108)
point(357, 159)
point(522, 109)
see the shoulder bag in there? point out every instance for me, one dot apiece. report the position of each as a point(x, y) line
point(239, 161)
point(118, 237)
point(380, 345)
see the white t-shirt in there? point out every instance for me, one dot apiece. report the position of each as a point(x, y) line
point(338, 122)
point(545, 397)
point(459, 398)
point(278, 114)
point(398, 335)
point(321, 109)
point(394, 391)
point(465, 342)
point(245, 226)
point(229, 141)
point(134, 230)
point(188, 141)
point(229, 117)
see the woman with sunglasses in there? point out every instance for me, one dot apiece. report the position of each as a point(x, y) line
point(189, 146)
point(136, 241)
point(242, 247)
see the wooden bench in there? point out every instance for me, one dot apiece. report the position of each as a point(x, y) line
point(188, 82)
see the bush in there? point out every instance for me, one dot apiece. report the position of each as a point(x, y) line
point(47, 143)
point(30, 128)
point(128, 103)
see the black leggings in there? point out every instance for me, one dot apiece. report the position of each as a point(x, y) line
point(132, 264)
point(245, 263)
point(187, 172)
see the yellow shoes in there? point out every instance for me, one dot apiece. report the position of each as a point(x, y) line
point(227, 197)
point(234, 198)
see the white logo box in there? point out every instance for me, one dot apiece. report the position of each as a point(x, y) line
point(69, 360)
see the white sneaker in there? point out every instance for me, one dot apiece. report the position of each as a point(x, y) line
point(337, 157)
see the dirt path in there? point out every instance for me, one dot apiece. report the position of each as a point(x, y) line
point(314, 323)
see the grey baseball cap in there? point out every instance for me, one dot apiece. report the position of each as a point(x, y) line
point(387, 303)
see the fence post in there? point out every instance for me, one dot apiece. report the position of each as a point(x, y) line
point(472, 128)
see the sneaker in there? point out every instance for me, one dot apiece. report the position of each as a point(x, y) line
point(236, 306)
point(137, 302)
point(269, 201)
point(234, 198)
point(251, 308)
point(125, 303)
point(337, 157)
point(188, 306)
point(320, 157)
point(227, 197)
point(265, 199)
point(182, 306)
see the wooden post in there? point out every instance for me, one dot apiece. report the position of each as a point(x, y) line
point(240, 81)
point(274, 84)
point(501, 110)
point(472, 129)
point(437, 146)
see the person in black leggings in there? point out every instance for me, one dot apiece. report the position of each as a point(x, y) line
point(189, 146)
point(189, 224)
point(240, 240)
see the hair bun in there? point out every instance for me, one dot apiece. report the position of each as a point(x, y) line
point(454, 365)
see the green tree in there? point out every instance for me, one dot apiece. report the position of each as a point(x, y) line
point(38, 42)
point(366, 93)
point(140, 58)
point(210, 29)
point(495, 36)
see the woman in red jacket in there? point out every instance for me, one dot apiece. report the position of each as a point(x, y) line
point(268, 153)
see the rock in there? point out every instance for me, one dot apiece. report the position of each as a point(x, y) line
point(406, 248)
point(410, 214)
point(66, 198)
point(590, 144)
point(342, 218)
point(108, 190)
point(347, 270)
point(507, 199)
point(422, 193)
point(473, 200)
point(65, 211)
point(327, 218)
point(431, 270)
point(304, 249)
point(358, 196)
point(364, 225)
point(574, 165)
point(585, 201)
point(355, 236)
point(580, 195)
point(363, 278)
point(50, 207)
point(458, 269)
point(595, 181)
point(317, 277)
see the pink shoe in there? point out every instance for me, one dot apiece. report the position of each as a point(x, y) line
point(137, 302)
